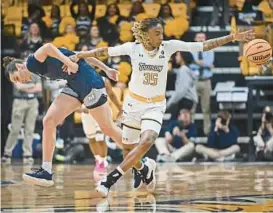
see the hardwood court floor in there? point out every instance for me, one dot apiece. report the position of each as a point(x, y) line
point(180, 187)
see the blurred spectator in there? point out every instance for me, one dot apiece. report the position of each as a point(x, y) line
point(24, 111)
point(222, 141)
point(53, 21)
point(83, 17)
point(108, 25)
point(137, 12)
point(32, 41)
point(222, 15)
point(94, 41)
point(165, 13)
point(179, 137)
point(202, 67)
point(68, 40)
point(264, 138)
point(35, 14)
point(185, 94)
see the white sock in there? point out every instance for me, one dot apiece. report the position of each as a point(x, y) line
point(120, 170)
point(47, 166)
point(97, 157)
point(101, 159)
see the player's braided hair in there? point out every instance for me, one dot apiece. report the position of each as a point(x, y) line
point(141, 28)
point(9, 63)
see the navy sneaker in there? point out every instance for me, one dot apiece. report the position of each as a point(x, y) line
point(137, 179)
point(39, 177)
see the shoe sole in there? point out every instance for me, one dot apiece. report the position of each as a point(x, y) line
point(151, 186)
point(37, 181)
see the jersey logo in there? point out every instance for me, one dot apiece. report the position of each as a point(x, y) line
point(140, 55)
point(149, 67)
point(91, 97)
point(162, 54)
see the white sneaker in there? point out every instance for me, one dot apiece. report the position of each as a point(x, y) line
point(6, 160)
point(28, 161)
point(102, 189)
point(150, 179)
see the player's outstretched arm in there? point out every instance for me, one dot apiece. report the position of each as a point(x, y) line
point(239, 36)
point(111, 73)
point(97, 63)
point(124, 49)
point(50, 50)
point(99, 52)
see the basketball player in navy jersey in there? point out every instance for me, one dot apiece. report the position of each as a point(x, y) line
point(85, 86)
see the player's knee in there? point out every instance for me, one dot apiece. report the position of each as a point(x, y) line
point(148, 138)
point(49, 121)
point(107, 128)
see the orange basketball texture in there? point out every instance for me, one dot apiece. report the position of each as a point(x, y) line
point(258, 51)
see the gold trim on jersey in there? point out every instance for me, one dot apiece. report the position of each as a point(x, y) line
point(159, 98)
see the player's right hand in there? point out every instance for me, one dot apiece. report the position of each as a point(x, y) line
point(71, 68)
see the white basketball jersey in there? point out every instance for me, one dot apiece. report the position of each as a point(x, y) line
point(149, 76)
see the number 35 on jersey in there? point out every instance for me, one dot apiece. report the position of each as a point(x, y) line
point(150, 78)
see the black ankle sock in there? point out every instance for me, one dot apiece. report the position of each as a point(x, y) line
point(144, 170)
point(112, 178)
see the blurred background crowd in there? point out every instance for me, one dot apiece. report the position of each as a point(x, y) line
point(216, 109)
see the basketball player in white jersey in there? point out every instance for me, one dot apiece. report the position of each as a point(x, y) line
point(145, 105)
point(95, 135)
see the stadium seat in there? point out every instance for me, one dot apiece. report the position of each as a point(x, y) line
point(141, 16)
point(100, 10)
point(125, 70)
point(14, 16)
point(47, 10)
point(75, 8)
point(266, 10)
point(238, 4)
point(65, 10)
point(151, 10)
point(179, 9)
point(115, 111)
point(125, 9)
point(260, 31)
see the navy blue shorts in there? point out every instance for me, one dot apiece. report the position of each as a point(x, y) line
point(96, 97)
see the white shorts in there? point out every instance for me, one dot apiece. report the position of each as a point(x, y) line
point(91, 128)
point(139, 117)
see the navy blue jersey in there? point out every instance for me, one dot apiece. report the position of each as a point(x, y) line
point(82, 82)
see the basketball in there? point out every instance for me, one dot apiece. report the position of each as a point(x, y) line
point(258, 51)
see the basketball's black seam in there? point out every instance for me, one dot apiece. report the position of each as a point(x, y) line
point(255, 44)
point(259, 52)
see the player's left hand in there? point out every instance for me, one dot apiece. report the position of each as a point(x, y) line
point(112, 74)
point(244, 36)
